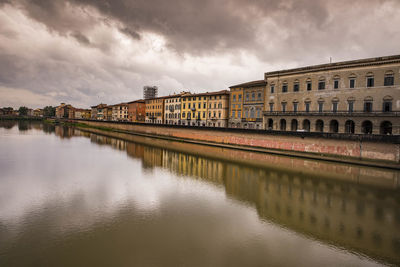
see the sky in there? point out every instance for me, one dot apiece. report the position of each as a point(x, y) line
point(86, 52)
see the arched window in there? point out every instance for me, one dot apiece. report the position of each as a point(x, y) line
point(334, 126)
point(389, 78)
point(252, 112)
point(319, 126)
point(306, 125)
point(293, 125)
point(283, 125)
point(366, 127)
point(386, 127)
point(270, 124)
point(349, 126)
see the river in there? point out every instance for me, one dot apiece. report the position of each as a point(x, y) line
point(83, 197)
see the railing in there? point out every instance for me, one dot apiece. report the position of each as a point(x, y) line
point(330, 113)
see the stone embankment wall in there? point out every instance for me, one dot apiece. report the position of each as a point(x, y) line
point(367, 150)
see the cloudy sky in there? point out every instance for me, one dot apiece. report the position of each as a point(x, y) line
point(85, 52)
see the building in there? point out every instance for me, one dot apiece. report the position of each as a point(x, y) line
point(95, 110)
point(150, 92)
point(82, 113)
point(65, 111)
point(194, 109)
point(172, 112)
point(137, 111)
point(247, 111)
point(218, 109)
point(353, 97)
point(38, 112)
point(120, 112)
point(155, 110)
point(236, 105)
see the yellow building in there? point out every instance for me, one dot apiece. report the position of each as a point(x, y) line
point(236, 106)
point(155, 110)
point(194, 109)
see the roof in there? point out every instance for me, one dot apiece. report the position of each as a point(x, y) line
point(136, 101)
point(337, 65)
point(250, 84)
point(222, 92)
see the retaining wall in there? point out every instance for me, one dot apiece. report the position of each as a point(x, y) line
point(357, 149)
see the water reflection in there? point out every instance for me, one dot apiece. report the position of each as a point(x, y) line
point(345, 206)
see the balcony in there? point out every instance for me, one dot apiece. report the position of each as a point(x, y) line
point(331, 113)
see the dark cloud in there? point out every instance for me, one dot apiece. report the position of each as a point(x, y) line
point(80, 55)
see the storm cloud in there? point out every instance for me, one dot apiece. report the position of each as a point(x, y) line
point(90, 51)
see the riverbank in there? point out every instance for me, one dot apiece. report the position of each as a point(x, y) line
point(361, 152)
point(20, 118)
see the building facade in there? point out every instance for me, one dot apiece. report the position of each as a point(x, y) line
point(218, 109)
point(65, 111)
point(172, 112)
point(95, 110)
point(235, 108)
point(155, 110)
point(194, 109)
point(120, 112)
point(82, 113)
point(251, 108)
point(354, 97)
point(137, 111)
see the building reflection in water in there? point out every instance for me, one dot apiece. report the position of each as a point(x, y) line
point(348, 206)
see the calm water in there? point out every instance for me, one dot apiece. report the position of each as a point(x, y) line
point(75, 198)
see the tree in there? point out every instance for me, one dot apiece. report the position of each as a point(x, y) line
point(49, 111)
point(23, 111)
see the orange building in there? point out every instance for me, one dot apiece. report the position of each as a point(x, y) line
point(155, 110)
point(137, 111)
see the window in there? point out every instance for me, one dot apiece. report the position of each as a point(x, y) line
point(194, 98)
point(352, 81)
point(271, 107)
point(387, 106)
point(389, 79)
point(272, 89)
point(367, 106)
point(334, 107)
point(295, 107)
point(252, 113)
point(258, 113)
point(247, 97)
point(246, 115)
point(370, 81)
point(253, 96)
point(183, 114)
point(184, 105)
point(307, 107)
point(204, 114)
point(296, 87)
point(284, 88)
point(233, 114)
point(336, 84)
point(309, 85)
point(219, 114)
point(259, 96)
point(321, 84)
point(204, 105)
point(283, 107)
point(320, 106)
point(240, 97)
point(234, 97)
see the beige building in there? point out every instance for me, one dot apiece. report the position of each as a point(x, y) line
point(120, 112)
point(172, 112)
point(218, 109)
point(360, 96)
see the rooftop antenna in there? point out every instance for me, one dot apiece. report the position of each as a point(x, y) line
point(330, 60)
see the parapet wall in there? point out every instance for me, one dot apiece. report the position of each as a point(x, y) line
point(338, 148)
